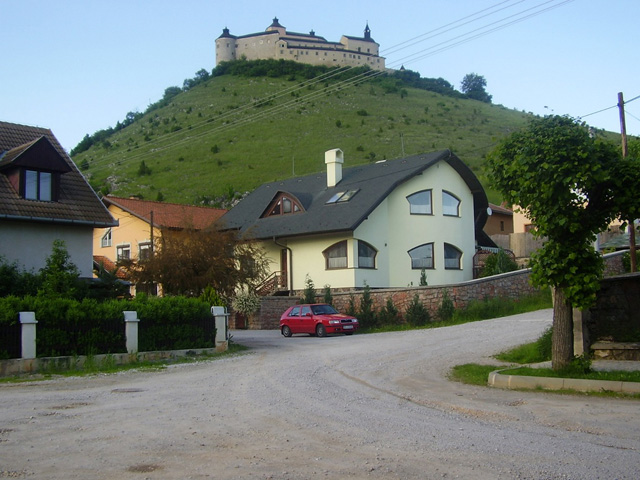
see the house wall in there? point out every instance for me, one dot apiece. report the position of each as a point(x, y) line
point(131, 230)
point(392, 231)
point(30, 244)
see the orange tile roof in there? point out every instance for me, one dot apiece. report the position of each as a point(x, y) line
point(109, 265)
point(167, 215)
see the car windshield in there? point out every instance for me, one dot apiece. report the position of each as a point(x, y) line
point(323, 310)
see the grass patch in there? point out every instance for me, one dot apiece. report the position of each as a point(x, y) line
point(615, 376)
point(472, 373)
point(109, 366)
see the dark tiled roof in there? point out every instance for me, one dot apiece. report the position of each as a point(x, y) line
point(374, 183)
point(77, 202)
point(168, 215)
point(500, 209)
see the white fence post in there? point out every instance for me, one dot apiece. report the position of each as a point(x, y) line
point(221, 317)
point(28, 322)
point(131, 330)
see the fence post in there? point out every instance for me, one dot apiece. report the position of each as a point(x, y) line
point(221, 318)
point(28, 322)
point(131, 330)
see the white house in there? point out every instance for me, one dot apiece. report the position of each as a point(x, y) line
point(383, 223)
point(43, 197)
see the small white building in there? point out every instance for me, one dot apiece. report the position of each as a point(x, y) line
point(382, 223)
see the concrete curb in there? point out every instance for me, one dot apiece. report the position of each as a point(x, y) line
point(499, 380)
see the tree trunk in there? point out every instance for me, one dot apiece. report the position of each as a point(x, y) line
point(562, 339)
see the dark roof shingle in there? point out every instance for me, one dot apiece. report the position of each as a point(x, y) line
point(77, 202)
point(374, 182)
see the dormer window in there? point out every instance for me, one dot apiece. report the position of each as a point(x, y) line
point(283, 204)
point(38, 185)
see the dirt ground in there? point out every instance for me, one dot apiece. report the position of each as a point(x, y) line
point(364, 406)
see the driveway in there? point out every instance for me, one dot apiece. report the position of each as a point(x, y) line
point(364, 406)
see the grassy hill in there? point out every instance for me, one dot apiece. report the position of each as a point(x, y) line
point(230, 133)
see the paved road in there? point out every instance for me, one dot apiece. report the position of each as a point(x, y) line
point(365, 406)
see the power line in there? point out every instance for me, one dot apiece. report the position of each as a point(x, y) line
point(270, 110)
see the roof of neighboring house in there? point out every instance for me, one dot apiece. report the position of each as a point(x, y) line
point(501, 210)
point(25, 146)
point(373, 182)
point(109, 266)
point(167, 215)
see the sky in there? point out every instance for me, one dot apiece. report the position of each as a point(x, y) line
point(79, 66)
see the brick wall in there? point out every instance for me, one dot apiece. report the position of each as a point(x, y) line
point(511, 285)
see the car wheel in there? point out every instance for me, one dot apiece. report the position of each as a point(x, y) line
point(321, 331)
point(286, 331)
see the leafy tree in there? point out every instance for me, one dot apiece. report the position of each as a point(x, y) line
point(186, 262)
point(570, 184)
point(473, 86)
point(143, 169)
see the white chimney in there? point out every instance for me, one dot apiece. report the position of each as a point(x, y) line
point(334, 160)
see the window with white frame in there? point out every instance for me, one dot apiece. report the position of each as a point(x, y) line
point(366, 255)
point(420, 203)
point(106, 239)
point(336, 255)
point(450, 204)
point(422, 256)
point(452, 257)
point(123, 252)
point(144, 251)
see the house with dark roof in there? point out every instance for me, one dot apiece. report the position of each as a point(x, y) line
point(44, 197)
point(141, 226)
point(382, 224)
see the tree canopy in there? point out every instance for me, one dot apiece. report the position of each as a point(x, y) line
point(189, 261)
point(570, 184)
point(473, 86)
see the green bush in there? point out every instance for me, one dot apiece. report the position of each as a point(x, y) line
point(417, 314)
point(497, 263)
point(389, 314)
point(366, 315)
point(309, 293)
point(446, 308)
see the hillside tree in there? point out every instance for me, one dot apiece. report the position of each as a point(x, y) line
point(474, 87)
point(570, 184)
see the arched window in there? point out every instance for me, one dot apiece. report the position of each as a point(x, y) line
point(366, 255)
point(336, 255)
point(420, 203)
point(450, 204)
point(283, 204)
point(452, 257)
point(422, 256)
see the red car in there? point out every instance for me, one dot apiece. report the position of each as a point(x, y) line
point(316, 319)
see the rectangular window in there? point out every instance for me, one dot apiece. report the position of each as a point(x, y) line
point(123, 252)
point(38, 186)
point(106, 239)
point(144, 251)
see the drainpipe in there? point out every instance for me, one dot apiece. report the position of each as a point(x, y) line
point(290, 266)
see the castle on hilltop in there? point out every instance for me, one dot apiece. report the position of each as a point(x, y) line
point(277, 43)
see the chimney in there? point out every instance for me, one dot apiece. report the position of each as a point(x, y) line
point(334, 160)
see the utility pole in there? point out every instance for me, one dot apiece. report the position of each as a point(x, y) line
point(151, 231)
point(632, 227)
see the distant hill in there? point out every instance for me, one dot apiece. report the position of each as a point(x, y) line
point(256, 122)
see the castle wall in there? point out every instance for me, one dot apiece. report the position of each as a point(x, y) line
point(277, 44)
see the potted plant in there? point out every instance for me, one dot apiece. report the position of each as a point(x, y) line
point(245, 304)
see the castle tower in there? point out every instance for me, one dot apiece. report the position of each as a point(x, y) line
point(225, 47)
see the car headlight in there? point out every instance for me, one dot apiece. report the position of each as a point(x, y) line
point(334, 322)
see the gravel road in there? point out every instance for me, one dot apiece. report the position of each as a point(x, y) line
point(366, 406)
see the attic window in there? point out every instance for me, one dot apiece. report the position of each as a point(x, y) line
point(343, 196)
point(38, 185)
point(283, 205)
